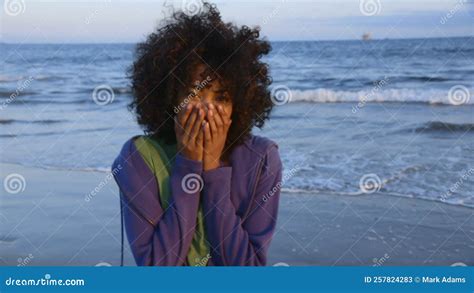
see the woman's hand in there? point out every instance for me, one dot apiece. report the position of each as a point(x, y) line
point(215, 135)
point(189, 131)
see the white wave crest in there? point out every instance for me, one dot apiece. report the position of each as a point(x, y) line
point(323, 95)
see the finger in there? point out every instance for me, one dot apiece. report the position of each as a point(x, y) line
point(222, 111)
point(200, 135)
point(207, 132)
point(197, 125)
point(228, 123)
point(190, 123)
point(219, 120)
point(186, 129)
point(184, 115)
point(212, 123)
point(225, 119)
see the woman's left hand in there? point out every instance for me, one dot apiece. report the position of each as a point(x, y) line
point(215, 136)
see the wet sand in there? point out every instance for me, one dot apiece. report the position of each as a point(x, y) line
point(72, 218)
point(372, 230)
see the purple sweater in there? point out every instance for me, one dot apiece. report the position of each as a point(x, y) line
point(240, 206)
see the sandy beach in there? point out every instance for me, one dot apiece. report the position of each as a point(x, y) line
point(71, 218)
point(372, 230)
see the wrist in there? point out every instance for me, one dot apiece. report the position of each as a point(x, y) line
point(210, 164)
point(191, 156)
point(183, 166)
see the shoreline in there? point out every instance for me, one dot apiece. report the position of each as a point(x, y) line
point(55, 221)
point(373, 230)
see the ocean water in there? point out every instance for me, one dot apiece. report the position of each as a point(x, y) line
point(352, 117)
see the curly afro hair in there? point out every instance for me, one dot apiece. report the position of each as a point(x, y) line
point(168, 56)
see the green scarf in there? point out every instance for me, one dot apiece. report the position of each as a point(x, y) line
point(157, 157)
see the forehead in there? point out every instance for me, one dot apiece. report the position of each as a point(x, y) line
point(205, 76)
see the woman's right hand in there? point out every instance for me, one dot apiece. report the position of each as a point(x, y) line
point(189, 134)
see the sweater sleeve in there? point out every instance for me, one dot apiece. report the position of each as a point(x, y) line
point(156, 236)
point(236, 241)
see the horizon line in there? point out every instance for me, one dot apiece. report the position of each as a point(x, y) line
point(275, 41)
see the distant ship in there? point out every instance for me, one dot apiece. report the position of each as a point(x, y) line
point(366, 37)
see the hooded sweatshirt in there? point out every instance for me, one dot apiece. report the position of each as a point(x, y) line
point(239, 201)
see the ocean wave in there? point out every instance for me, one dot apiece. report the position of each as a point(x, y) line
point(122, 90)
point(323, 95)
point(50, 133)
point(422, 79)
point(118, 90)
point(11, 78)
point(99, 169)
point(454, 50)
point(342, 193)
point(45, 121)
point(36, 101)
point(385, 185)
point(438, 126)
point(79, 169)
point(320, 95)
point(56, 99)
point(6, 78)
point(13, 93)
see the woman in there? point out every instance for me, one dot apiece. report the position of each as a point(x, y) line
point(199, 189)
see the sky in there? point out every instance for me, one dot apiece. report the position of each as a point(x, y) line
point(112, 21)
